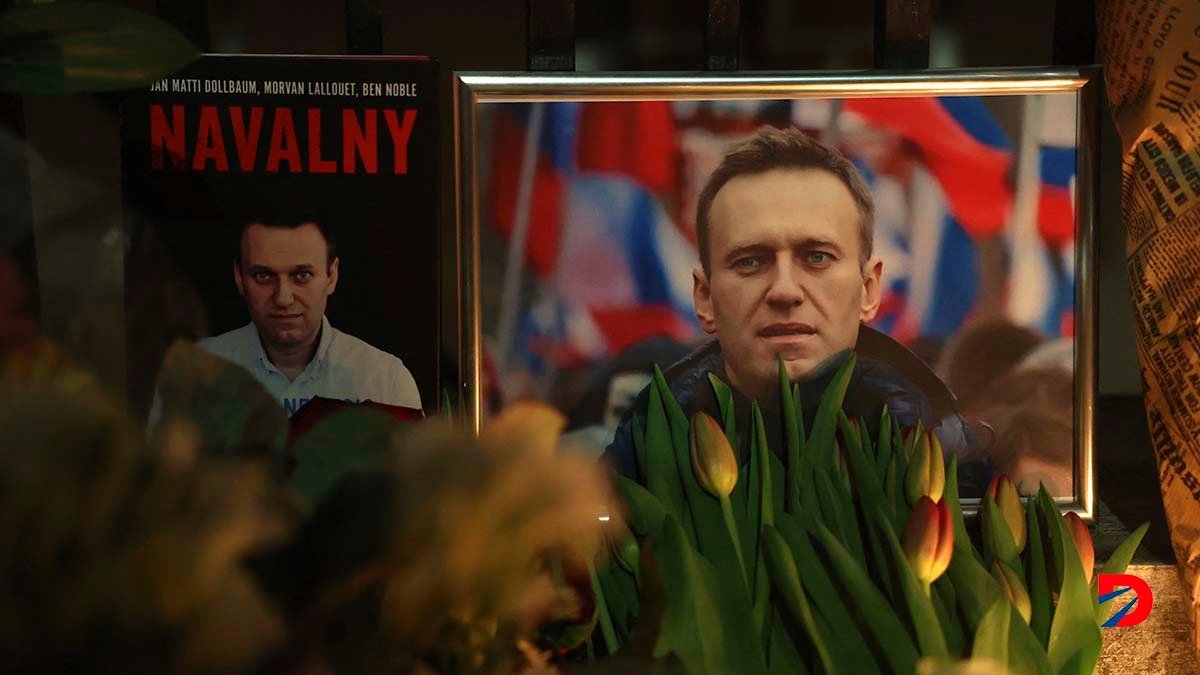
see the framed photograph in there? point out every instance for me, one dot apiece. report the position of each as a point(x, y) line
point(939, 225)
point(280, 212)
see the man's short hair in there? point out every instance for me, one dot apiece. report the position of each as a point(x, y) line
point(773, 148)
point(275, 206)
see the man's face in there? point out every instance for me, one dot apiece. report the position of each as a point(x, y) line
point(286, 278)
point(785, 278)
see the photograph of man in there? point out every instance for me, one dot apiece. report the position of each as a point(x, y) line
point(285, 266)
point(785, 232)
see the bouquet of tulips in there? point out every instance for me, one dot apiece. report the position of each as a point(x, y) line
point(847, 555)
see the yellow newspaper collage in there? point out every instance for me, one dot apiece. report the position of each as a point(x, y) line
point(1150, 50)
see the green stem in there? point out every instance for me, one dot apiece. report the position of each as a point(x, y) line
point(606, 627)
point(731, 527)
point(927, 586)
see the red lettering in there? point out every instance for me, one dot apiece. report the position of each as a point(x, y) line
point(400, 132)
point(284, 146)
point(168, 135)
point(315, 163)
point(246, 140)
point(359, 142)
point(1105, 585)
point(210, 144)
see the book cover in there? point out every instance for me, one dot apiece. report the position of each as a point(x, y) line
point(282, 211)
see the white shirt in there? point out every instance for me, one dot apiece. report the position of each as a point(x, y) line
point(344, 367)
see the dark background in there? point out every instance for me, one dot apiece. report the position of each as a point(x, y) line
point(74, 145)
point(386, 224)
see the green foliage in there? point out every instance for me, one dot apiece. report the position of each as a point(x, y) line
point(818, 517)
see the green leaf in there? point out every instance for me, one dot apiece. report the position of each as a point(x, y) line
point(921, 613)
point(766, 518)
point(839, 513)
point(845, 639)
point(786, 578)
point(883, 449)
point(622, 599)
point(976, 592)
point(662, 474)
point(1075, 638)
point(340, 443)
point(701, 509)
point(1025, 653)
point(991, 636)
point(786, 655)
point(881, 620)
point(71, 46)
point(621, 604)
point(974, 588)
point(230, 409)
point(950, 496)
point(944, 604)
point(799, 412)
point(645, 512)
point(793, 439)
point(1117, 562)
point(1040, 601)
point(866, 481)
point(728, 414)
point(709, 630)
point(1124, 552)
point(820, 442)
point(639, 445)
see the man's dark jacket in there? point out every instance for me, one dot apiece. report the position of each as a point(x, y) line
point(873, 384)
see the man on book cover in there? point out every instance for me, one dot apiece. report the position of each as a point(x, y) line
point(285, 266)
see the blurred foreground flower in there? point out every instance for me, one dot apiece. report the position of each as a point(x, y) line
point(449, 553)
point(1083, 542)
point(118, 557)
point(928, 539)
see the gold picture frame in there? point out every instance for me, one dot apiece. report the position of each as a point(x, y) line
point(474, 92)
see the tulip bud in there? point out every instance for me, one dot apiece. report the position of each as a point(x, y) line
point(1083, 542)
point(926, 471)
point(1013, 587)
point(1004, 493)
point(712, 457)
point(928, 539)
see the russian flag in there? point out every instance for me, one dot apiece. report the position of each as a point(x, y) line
point(962, 145)
point(615, 267)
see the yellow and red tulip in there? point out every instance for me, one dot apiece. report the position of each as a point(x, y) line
point(712, 457)
point(1083, 542)
point(928, 539)
point(1004, 493)
point(1014, 588)
point(926, 471)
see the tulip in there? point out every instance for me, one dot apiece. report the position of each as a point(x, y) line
point(926, 471)
point(1083, 543)
point(712, 457)
point(716, 471)
point(928, 539)
point(1004, 493)
point(1010, 581)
